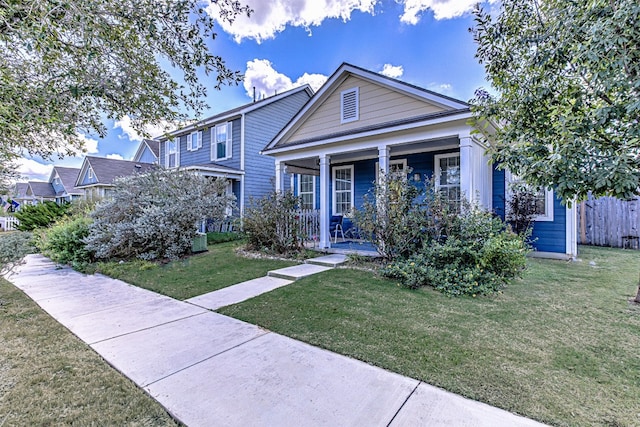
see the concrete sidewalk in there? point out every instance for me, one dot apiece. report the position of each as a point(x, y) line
point(210, 370)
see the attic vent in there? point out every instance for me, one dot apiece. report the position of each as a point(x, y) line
point(349, 105)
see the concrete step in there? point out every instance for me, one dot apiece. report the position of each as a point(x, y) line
point(298, 271)
point(332, 260)
point(238, 293)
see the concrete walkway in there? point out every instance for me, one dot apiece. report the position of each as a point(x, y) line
point(207, 369)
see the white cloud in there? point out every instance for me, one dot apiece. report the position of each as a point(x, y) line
point(32, 170)
point(441, 88)
point(153, 130)
point(393, 71)
point(114, 156)
point(442, 9)
point(261, 75)
point(271, 17)
point(90, 145)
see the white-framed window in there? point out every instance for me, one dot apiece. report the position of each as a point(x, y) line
point(447, 174)
point(194, 141)
point(307, 191)
point(397, 169)
point(349, 105)
point(543, 198)
point(90, 174)
point(221, 137)
point(172, 152)
point(343, 190)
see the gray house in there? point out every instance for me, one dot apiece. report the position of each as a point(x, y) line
point(97, 174)
point(148, 151)
point(63, 182)
point(228, 144)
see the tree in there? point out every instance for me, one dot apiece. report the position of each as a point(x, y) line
point(155, 215)
point(567, 76)
point(67, 65)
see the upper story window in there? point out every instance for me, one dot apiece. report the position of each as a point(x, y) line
point(90, 174)
point(447, 173)
point(221, 137)
point(542, 197)
point(194, 141)
point(343, 190)
point(349, 105)
point(307, 191)
point(172, 154)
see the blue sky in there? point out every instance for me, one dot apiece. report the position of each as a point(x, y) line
point(291, 42)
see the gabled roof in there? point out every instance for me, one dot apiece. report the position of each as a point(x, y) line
point(452, 106)
point(152, 144)
point(236, 112)
point(68, 178)
point(41, 189)
point(107, 170)
point(20, 190)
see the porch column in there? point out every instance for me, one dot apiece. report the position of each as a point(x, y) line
point(383, 163)
point(325, 209)
point(279, 177)
point(466, 167)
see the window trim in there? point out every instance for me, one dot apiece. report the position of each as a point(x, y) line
point(437, 170)
point(549, 198)
point(333, 190)
point(190, 146)
point(343, 94)
point(229, 142)
point(168, 153)
point(402, 162)
point(313, 191)
point(90, 174)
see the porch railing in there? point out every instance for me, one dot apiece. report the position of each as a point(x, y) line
point(308, 224)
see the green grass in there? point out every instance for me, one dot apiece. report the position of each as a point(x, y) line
point(562, 345)
point(218, 268)
point(49, 377)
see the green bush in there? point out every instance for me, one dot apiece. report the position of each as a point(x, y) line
point(214, 237)
point(478, 256)
point(64, 242)
point(14, 246)
point(41, 215)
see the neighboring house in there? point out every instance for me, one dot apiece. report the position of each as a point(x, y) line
point(97, 174)
point(19, 195)
point(40, 191)
point(228, 144)
point(361, 122)
point(148, 151)
point(63, 181)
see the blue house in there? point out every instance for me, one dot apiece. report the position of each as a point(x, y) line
point(148, 152)
point(361, 124)
point(97, 174)
point(63, 180)
point(228, 144)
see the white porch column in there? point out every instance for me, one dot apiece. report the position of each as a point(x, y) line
point(383, 163)
point(325, 209)
point(467, 184)
point(279, 177)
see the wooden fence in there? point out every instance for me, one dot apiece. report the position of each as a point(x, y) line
point(608, 221)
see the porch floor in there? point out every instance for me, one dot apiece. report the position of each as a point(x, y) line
point(348, 247)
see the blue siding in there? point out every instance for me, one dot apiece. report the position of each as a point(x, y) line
point(261, 126)
point(86, 180)
point(57, 187)
point(147, 156)
point(547, 236)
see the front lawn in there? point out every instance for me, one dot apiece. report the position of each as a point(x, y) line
point(216, 269)
point(562, 345)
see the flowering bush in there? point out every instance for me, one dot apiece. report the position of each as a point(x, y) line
point(155, 215)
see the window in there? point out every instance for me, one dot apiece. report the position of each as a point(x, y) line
point(342, 190)
point(221, 136)
point(543, 198)
point(397, 169)
point(194, 141)
point(172, 156)
point(307, 191)
point(90, 174)
point(349, 105)
point(447, 173)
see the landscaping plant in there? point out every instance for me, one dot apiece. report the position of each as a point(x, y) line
point(154, 216)
point(40, 215)
point(13, 247)
point(64, 242)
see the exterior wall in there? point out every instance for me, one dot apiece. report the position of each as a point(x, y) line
point(377, 104)
point(86, 180)
point(547, 236)
point(57, 187)
point(147, 156)
point(261, 126)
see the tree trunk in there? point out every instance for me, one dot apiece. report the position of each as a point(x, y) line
point(637, 300)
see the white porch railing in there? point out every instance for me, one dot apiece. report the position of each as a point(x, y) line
point(309, 224)
point(9, 223)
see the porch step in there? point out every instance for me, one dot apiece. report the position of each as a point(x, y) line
point(297, 271)
point(332, 260)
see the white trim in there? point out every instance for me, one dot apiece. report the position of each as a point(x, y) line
point(350, 97)
point(167, 153)
point(313, 191)
point(334, 210)
point(90, 174)
point(242, 163)
point(549, 199)
point(198, 135)
point(228, 143)
point(571, 239)
point(402, 162)
point(437, 170)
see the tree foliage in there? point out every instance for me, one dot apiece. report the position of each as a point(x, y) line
point(567, 76)
point(155, 215)
point(66, 65)
point(41, 215)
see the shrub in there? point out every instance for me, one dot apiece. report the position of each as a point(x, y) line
point(14, 246)
point(41, 215)
point(64, 242)
point(478, 256)
point(271, 223)
point(214, 237)
point(154, 216)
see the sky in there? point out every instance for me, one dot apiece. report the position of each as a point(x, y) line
point(287, 43)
